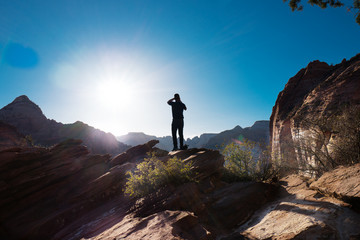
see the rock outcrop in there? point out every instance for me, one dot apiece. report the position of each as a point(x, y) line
point(42, 190)
point(162, 225)
point(137, 154)
point(300, 213)
point(315, 92)
point(342, 183)
point(28, 119)
point(64, 192)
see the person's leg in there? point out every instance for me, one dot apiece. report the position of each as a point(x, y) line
point(181, 135)
point(173, 131)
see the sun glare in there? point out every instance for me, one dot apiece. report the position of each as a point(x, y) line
point(112, 89)
point(114, 93)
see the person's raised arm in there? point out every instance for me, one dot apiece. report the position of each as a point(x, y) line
point(169, 102)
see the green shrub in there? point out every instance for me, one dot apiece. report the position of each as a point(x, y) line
point(248, 161)
point(152, 174)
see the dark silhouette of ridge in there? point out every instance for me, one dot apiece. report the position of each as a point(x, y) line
point(259, 132)
point(28, 119)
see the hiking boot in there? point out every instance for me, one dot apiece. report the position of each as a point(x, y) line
point(185, 147)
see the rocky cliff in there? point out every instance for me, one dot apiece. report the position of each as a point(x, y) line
point(28, 119)
point(315, 92)
point(63, 192)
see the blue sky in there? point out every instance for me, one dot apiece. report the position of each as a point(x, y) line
point(114, 64)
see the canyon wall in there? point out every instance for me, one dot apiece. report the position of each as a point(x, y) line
point(313, 94)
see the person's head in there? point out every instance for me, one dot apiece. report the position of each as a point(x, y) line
point(177, 97)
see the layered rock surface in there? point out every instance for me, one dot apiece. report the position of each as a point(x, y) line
point(42, 190)
point(28, 119)
point(301, 213)
point(342, 183)
point(63, 192)
point(316, 91)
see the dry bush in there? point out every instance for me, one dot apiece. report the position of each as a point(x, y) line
point(329, 142)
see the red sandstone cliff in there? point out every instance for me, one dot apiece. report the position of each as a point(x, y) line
point(64, 192)
point(317, 91)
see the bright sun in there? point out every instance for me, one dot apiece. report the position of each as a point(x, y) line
point(114, 93)
point(112, 87)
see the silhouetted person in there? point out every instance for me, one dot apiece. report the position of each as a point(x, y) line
point(178, 120)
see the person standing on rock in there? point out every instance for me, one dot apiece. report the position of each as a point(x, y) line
point(177, 108)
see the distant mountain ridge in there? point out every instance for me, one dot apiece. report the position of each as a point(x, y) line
point(28, 119)
point(259, 132)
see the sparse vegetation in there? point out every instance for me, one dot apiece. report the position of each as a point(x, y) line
point(152, 174)
point(355, 7)
point(329, 142)
point(247, 161)
point(29, 140)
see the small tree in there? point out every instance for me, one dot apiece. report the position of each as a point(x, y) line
point(247, 161)
point(29, 140)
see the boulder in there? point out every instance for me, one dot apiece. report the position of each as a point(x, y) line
point(300, 213)
point(235, 204)
point(342, 183)
point(134, 154)
point(161, 225)
point(207, 163)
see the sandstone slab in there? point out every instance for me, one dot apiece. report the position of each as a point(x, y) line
point(342, 183)
point(300, 213)
point(163, 225)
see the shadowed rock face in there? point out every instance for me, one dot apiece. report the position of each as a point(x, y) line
point(28, 119)
point(64, 192)
point(42, 190)
point(10, 137)
point(316, 91)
